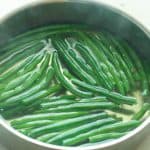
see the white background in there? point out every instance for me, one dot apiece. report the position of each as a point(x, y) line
point(139, 9)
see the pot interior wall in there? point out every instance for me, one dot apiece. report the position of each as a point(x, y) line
point(95, 15)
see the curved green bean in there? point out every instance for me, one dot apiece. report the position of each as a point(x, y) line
point(121, 99)
point(65, 82)
point(61, 46)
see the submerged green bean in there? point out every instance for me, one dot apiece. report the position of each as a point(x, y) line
point(29, 81)
point(145, 108)
point(139, 67)
point(88, 40)
point(17, 81)
point(121, 57)
point(32, 124)
point(32, 64)
point(7, 63)
point(37, 35)
point(106, 136)
point(31, 91)
point(41, 94)
point(14, 69)
point(66, 124)
point(45, 116)
point(56, 103)
point(90, 58)
point(46, 137)
point(123, 126)
point(61, 138)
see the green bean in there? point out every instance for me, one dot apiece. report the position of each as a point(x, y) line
point(19, 50)
point(13, 112)
point(56, 103)
point(45, 116)
point(121, 57)
point(61, 138)
point(115, 127)
point(29, 95)
point(17, 81)
point(116, 64)
point(56, 85)
point(41, 94)
point(95, 99)
point(13, 70)
point(111, 68)
point(66, 101)
point(35, 74)
point(7, 50)
point(90, 58)
point(121, 99)
point(122, 110)
point(101, 57)
point(125, 82)
point(1, 87)
point(64, 81)
point(147, 69)
point(66, 124)
point(82, 106)
point(61, 46)
point(138, 66)
point(67, 74)
point(81, 62)
point(38, 34)
point(125, 55)
point(30, 91)
point(32, 64)
point(108, 74)
point(14, 58)
point(24, 131)
point(122, 76)
point(46, 137)
point(145, 108)
point(33, 124)
point(106, 136)
point(62, 97)
point(46, 101)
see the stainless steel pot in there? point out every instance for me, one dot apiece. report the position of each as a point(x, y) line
point(96, 15)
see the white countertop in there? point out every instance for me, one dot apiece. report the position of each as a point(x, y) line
point(139, 9)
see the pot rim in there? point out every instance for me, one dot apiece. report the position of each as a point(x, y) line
point(144, 124)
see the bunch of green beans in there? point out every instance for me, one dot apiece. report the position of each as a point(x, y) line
point(66, 85)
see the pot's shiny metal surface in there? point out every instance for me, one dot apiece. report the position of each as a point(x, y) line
point(96, 15)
